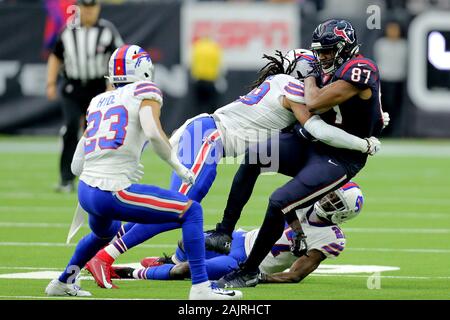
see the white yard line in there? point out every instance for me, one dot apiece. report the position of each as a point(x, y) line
point(173, 246)
point(381, 276)
point(45, 225)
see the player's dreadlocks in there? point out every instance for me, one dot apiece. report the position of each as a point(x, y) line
point(273, 67)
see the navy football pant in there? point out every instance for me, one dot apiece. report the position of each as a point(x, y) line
point(314, 174)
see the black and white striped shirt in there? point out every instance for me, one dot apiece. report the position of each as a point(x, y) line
point(85, 51)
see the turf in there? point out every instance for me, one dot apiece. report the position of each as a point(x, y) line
point(405, 223)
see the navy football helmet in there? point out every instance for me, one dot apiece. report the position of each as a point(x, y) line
point(337, 39)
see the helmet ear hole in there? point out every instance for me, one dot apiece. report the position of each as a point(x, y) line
point(146, 75)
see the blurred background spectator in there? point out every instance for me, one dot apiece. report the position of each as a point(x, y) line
point(205, 72)
point(391, 54)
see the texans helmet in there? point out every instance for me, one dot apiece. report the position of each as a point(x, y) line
point(336, 36)
point(128, 64)
point(341, 205)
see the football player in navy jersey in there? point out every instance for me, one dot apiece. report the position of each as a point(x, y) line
point(347, 97)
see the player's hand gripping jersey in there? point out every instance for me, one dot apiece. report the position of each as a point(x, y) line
point(114, 138)
point(358, 116)
point(260, 113)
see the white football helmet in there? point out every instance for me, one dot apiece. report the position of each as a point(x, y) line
point(342, 204)
point(306, 62)
point(130, 63)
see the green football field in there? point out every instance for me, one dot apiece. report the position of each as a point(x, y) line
point(404, 227)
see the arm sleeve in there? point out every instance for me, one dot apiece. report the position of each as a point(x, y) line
point(334, 136)
point(146, 90)
point(152, 133)
point(295, 91)
point(78, 158)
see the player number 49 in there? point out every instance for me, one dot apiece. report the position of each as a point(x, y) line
point(356, 74)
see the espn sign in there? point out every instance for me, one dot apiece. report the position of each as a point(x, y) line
point(245, 31)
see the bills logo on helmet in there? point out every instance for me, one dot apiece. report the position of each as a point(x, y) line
point(359, 203)
point(140, 56)
point(344, 31)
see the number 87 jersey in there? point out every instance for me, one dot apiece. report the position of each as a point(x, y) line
point(114, 138)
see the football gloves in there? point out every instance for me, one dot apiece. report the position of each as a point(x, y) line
point(373, 145)
point(299, 247)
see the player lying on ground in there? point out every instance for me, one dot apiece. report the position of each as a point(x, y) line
point(350, 100)
point(275, 103)
point(120, 123)
point(323, 237)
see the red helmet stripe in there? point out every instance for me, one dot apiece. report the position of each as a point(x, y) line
point(119, 61)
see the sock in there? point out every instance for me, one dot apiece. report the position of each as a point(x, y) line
point(161, 272)
point(142, 232)
point(115, 249)
point(109, 253)
point(194, 242)
point(86, 248)
point(124, 228)
point(270, 231)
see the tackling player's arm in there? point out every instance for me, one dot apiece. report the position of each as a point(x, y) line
point(329, 134)
point(299, 270)
point(149, 114)
point(323, 99)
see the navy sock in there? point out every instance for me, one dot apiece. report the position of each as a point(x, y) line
point(87, 247)
point(194, 242)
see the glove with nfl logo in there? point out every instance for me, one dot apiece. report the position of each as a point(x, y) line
point(299, 247)
point(373, 145)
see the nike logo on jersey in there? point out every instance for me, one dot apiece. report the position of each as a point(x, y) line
point(361, 64)
point(329, 161)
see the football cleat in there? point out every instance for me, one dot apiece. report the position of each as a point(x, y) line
point(238, 279)
point(218, 241)
point(122, 272)
point(211, 292)
point(58, 288)
point(101, 271)
point(156, 261)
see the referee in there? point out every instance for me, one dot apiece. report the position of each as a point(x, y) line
point(81, 53)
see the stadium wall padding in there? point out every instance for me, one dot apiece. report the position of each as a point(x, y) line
point(24, 108)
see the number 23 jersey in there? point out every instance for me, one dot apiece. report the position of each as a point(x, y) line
point(114, 138)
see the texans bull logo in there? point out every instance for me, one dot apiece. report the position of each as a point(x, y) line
point(342, 31)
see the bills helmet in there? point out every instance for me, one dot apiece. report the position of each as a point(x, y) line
point(299, 63)
point(337, 37)
point(128, 64)
point(341, 205)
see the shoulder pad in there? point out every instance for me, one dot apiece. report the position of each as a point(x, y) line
point(147, 90)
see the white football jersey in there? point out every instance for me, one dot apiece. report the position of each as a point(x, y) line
point(114, 136)
point(330, 240)
point(259, 114)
